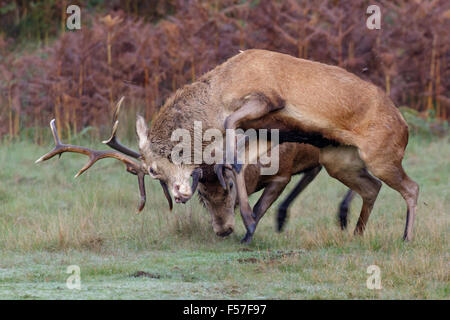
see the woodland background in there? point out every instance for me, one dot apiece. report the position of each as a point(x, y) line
point(147, 49)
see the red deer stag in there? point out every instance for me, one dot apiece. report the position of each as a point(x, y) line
point(356, 126)
point(297, 159)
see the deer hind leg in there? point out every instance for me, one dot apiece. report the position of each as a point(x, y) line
point(343, 209)
point(391, 172)
point(344, 164)
point(308, 176)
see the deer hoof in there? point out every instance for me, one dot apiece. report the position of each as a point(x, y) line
point(247, 238)
point(249, 235)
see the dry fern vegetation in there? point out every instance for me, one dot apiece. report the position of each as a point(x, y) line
point(76, 76)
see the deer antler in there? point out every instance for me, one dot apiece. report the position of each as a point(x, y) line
point(94, 156)
point(114, 143)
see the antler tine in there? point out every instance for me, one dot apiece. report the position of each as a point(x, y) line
point(55, 132)
point(94, 156)
point(167, 193)
point(117, 110)
point(113, 142)
point(115, 121)
point(57, 147)
point(57, 142)
point(141, 182)
point(97, 155)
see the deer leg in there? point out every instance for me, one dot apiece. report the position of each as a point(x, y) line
point(308, 176)
point(395, 177)
point(343, 209)
point(368, 188)
point(270, 194)
point(344, 164)
point(384, 160)
point(244, 206)
point(254, 107)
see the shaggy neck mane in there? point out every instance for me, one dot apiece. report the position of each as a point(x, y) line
point(185, 106)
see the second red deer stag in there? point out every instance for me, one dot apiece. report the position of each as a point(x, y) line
point(298, 158)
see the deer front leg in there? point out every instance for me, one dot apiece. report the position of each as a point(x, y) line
point(255, 106)
point(270, 194)
point(247, 214)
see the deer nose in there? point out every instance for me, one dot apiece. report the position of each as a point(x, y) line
point(226, 232)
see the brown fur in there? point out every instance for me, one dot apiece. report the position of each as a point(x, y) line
point(264, 89)
point(221, 202)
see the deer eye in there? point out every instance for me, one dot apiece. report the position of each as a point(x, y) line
point(152, 172)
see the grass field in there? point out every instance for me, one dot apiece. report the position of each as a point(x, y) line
point(49, 221)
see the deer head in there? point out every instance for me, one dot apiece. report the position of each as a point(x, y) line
point(220, 202)
point(177, 177)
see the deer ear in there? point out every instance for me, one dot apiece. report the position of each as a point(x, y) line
point(141, 131)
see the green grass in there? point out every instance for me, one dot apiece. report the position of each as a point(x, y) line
point(49, 221)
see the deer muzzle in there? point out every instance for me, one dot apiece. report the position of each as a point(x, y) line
point(183, 195)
